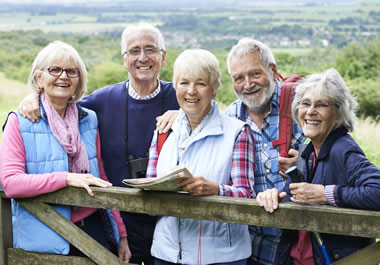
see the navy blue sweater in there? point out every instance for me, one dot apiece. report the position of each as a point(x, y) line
point(109, 104)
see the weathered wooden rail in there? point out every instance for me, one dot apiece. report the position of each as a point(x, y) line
point(324, 219)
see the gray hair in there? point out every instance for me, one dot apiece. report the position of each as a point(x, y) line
point(331, 85)
point(129, 30)
point(58, 51)
point(248, 45)
point(200, 64)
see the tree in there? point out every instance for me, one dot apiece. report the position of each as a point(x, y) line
point(368, 96)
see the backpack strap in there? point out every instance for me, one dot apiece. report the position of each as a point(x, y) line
point(161, 138)
point(285, 116)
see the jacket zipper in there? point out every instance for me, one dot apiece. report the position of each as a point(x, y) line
point(229, 233)
point(179, 239)
point(180, 250)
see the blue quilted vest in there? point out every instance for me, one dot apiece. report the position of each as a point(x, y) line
point(45, 154)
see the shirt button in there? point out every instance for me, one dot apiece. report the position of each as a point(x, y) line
point(336, 256)
point(268, 171)
point(310, 161)
point(265, 145)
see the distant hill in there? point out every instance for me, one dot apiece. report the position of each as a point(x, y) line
point(183, 3)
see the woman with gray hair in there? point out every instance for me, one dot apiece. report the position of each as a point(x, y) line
point(335, 170)
point(62, 149)
point(219, 152)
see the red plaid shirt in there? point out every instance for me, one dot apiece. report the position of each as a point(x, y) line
point(242, 171)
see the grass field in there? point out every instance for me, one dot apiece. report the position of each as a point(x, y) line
point(11, 93)
point(367, 133)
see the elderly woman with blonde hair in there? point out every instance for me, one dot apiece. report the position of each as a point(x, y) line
point(218, 151)
point(335, 169)
point(62, 149)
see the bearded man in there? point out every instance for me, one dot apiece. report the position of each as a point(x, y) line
point(254, 75)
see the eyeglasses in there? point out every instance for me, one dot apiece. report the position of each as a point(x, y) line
point(149, 52)
point(57, 71)
point(319, 106)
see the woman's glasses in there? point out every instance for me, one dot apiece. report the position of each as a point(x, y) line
point(319, 106)
point(57, 71)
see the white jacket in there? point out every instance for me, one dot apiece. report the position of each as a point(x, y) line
point(206, 152)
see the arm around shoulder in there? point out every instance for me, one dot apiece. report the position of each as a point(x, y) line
point(30, 107)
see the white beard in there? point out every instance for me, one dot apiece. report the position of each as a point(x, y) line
point(262, 104)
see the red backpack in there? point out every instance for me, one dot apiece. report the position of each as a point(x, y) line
point(161, 138)
point(285, 118)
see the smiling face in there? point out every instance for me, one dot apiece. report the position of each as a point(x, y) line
point(146, 66)
point(58, 89)
point(318, 117)
point(194, 96)
point(253, 83)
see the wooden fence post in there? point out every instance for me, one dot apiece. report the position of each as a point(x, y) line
point(71, 232)
point(6, 240)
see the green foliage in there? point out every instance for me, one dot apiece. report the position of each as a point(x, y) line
point(368, 96)
point(226, 94)
point(315, 61)
point(349, 62)
point(166, 73)
point(359, 64)
point(16, 66)
point(105, 74)
point(360, 60)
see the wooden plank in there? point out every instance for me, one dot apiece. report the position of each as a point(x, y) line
point(5, 229)
point(21, 257)
point(369, 256)
point(70, 232)
point(321, 218)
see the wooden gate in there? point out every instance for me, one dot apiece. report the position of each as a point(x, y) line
point(320, 218)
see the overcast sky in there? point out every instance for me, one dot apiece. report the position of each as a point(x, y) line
point(194, 2)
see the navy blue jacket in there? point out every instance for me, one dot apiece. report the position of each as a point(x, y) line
point(341, 162)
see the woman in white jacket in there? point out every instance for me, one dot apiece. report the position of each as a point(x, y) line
point(219, 152)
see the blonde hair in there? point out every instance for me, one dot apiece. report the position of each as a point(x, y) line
point(58, 51)
point(200, 64)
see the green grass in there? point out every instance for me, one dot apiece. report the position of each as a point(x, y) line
point(11, 93)
point(367, 134)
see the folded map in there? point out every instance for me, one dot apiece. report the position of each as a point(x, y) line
point(166, 182)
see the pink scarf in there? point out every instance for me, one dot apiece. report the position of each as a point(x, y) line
point(67, 133)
